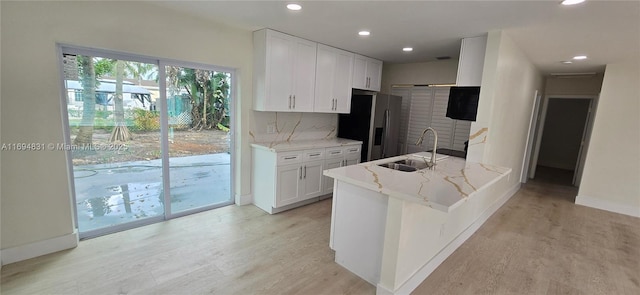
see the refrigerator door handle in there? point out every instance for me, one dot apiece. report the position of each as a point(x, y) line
point(385, 124)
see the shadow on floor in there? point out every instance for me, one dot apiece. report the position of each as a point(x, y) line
point(554, 175)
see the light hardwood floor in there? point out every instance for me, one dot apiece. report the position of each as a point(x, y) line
point(538, 243)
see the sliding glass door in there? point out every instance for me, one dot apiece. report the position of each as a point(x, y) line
point(145, 142)
point(198, 136)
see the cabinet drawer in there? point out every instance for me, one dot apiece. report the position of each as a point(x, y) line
point(289, 158)
point(352, 150)
point(314, 155)
point(335, 153)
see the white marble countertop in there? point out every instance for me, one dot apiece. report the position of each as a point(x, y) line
point(451, 183)
point(284, 146)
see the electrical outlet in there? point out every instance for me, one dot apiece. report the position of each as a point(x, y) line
point(271, 128)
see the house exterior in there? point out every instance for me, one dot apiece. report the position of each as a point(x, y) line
point(36, 200)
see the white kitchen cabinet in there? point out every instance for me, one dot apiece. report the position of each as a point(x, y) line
point(283, 179)
point(334, 74)
point(312, 178)
point(338, 157)
point(284, 72)
point(471, 62)
point(298, 182)
point(288, 186)
point(367, 73)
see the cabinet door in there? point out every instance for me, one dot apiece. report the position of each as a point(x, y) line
point(324, 89)
point(352, 161)
point(471, 61)
point(328, 181)
point(343, 79)
point(312, 177)
point(352, 155)
point(374, 73)
point(289, 179)
point(304, 75)
point(279, 75)
point(360, 72)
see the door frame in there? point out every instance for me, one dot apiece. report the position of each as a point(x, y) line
point(537, 98)
point(586, 136)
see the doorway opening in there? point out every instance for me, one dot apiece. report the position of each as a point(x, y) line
point(562, 140)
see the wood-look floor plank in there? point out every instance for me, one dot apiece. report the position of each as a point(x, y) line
point(539, 242)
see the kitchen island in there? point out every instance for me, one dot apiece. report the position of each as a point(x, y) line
point(393, 228)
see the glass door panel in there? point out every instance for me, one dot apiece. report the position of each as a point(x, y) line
point(114, 141)
point(197, 103)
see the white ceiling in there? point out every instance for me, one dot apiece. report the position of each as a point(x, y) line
point(606, 31)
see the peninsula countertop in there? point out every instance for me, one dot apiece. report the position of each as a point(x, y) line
point(449, 185)
point(285, 146)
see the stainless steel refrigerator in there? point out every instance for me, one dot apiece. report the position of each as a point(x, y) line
point(374, 120)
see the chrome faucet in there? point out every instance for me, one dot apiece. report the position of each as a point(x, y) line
point(432, 163)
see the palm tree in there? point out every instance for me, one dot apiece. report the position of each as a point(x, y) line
point(120, 131)
point(88, 76)
point(140, 71)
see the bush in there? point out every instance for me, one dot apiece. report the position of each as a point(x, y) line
point(144, 120)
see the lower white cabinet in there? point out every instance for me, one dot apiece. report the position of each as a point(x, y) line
point(283, 179)
point(339, 157)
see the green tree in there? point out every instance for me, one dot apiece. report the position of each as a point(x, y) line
point(208, 92)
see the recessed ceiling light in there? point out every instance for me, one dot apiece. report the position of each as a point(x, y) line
point(579, 57)
point(294, 6)
point(572, 2)
point(364, 33)
point(407, 49)
point(566, 62)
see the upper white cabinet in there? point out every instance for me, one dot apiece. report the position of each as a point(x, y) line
point(284, 72)
point(367, 73)
point(334, 74)
point(471, 61)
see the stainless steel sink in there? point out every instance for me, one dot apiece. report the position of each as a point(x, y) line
point(406, 165)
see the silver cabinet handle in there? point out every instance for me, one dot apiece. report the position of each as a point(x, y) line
point(305, 172)
point(294, 101)
point(300, 172)
point(290, 158)
point(289, 101)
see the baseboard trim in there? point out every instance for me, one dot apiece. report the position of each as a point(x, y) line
point(381, 290)
point(28, 251)
point(426, 270)
point(242, 200)
point(607, 206)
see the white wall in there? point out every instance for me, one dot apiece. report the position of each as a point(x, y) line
point(434, 72)
point(611, 177)
point(509, 82)
point(563, 128)
point(573, 85)
point(36, 200)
